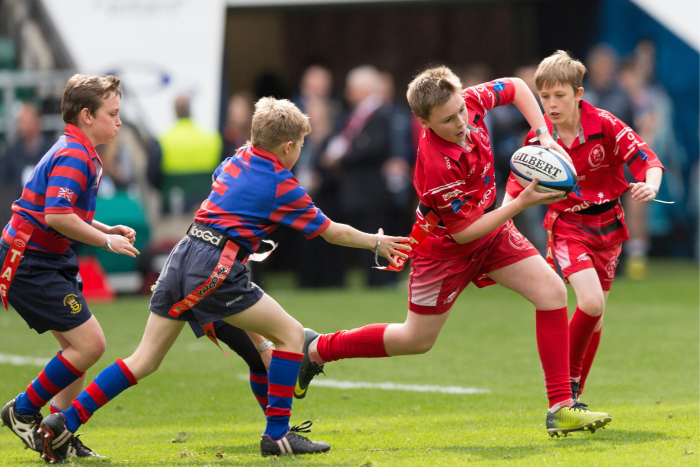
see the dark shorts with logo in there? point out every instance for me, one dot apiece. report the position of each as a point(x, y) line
point(46, 290)
point(189, 265)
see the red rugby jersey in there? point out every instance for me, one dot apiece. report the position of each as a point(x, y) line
point(603, 146)
point(457, 180)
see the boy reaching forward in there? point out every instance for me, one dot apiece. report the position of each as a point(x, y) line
point(204, 279)
point(39, 275)
point(585, 231)
point(474, 242)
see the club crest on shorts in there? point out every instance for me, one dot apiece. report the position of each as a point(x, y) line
point(610, 267)
point(516, 239)
point(71, 300)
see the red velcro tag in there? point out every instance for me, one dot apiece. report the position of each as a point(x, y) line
point(419, 233)
point(550, 219)
point(14, 256)
point(209, 330)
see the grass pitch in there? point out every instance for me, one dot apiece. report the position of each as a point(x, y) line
point(197, 411)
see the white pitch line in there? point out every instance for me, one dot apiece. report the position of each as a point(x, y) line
point(19, 360)
point(333, 383)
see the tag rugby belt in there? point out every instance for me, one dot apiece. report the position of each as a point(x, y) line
point(25, 232)
point(552, 216)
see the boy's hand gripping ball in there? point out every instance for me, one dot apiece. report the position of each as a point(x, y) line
point(551, 168)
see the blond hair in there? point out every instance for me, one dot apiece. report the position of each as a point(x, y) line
point(559, 68)
point(277, 121)
point(432, 87)
point(87, 92)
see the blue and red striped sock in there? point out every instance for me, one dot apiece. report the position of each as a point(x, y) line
point(282, 376)
point(258, 383)
point(57, 375)
point(111, 382)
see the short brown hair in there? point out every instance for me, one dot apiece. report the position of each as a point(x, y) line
point(432, 87)
point(560, 68)
point(277, 121)
point(87, 92)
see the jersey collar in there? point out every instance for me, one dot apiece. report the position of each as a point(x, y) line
point(453, 150)
point(75, 132)
point(589, 123)
point(267, 155)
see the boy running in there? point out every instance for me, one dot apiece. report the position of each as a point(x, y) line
point(253, 192)
point(40, 272)
point(474, 242)
point(585, 231)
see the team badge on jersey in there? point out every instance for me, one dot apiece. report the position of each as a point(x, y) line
point(596, 156)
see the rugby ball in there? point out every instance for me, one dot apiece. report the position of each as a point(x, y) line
point(551, 168)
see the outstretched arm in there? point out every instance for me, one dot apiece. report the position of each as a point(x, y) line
point(75, 228)
point(345, 235)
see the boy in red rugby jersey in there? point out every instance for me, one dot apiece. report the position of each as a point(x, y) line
point(474, 242)
point(585, 231)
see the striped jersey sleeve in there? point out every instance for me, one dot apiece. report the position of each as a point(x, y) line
point(294, 208)
point(67, 179)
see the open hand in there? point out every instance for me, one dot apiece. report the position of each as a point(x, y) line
point(389, 246)
point(546, 141)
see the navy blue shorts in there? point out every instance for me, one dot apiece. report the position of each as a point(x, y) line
point(47, 290)
point(189, 265)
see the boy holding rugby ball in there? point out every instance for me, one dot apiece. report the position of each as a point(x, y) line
point(585, 230)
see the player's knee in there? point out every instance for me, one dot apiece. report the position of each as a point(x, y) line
point(423, 344)
point(552, 295)
point(592, 305)
point(96, 349)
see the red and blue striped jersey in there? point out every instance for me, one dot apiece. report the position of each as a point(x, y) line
point(252, 193)
point(65, 181)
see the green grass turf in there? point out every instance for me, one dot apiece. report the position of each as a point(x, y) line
point(646, 375)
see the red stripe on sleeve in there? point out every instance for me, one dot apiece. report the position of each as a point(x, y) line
point(127, 372)
point(82, 411)
point(303, 220)
point(47, 384)
point(320, 230)
point(232, 169)
point(68, 365)
point(286, 186)
point(219, 188)
point(279, 390)
point(96, 393)
point(258, 379)
point(69, 172)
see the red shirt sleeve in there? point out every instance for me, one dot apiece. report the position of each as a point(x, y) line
point(513, 187)
point(629, 147)
point(449, 199)
point(492, 94)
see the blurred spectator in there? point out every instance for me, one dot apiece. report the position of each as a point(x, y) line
point(508, 129)
point(119, 171)
point(397, 170)
point(18, 160)
point(652, 112)
point(356, 153)
point(601, 83)
point(184, 159)
point(239, 118)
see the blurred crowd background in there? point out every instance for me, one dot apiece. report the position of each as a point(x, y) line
point(347, 67)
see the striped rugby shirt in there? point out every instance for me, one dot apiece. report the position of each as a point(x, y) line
point(64, 182)
point(252, 194)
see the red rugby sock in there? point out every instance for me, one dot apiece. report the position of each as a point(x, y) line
point(551, 328)
point(580, 332)
point(364, 342)
point(590, 355)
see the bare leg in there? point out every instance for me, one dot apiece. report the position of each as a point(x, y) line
point(158, 338)
point(414, 336)
point(269, 319)
point(535, 281)
point(87, 344)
